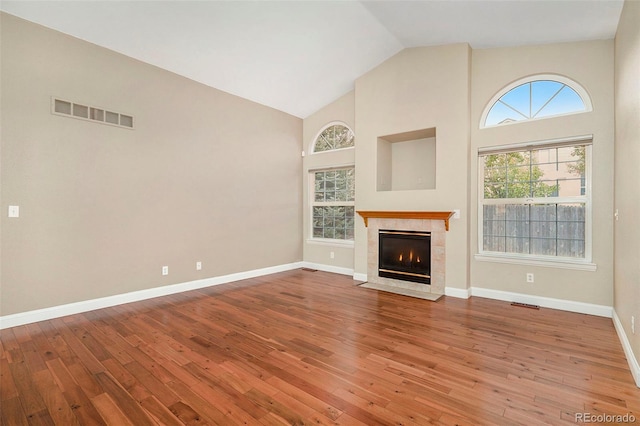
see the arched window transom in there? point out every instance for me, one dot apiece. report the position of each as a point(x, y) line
point(535, 98)
point(335, 136)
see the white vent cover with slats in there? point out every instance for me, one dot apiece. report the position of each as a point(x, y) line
point(90, 113)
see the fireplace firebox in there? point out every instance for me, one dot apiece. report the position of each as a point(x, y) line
point(405, 255)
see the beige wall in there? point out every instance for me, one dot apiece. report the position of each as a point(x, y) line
point(627, 173)
point(342, 110)
point(205, 176)
point(419, 88)
point(591, 65)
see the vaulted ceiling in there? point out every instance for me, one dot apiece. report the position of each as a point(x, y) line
point(297, 56)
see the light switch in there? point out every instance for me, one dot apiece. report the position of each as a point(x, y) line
point(14, 211)
point(456, 214)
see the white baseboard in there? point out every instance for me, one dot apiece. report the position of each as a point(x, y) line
point(360, 277)
point(545, 302)
point(461, 293)
point(628, 351)
point(327, 268)
point(134, 296)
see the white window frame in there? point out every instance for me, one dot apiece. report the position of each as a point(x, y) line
point(312, 148)
point(530, 259)
point(581, 91)
point(313, 203)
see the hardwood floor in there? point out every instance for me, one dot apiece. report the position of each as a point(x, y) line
point(305, 347)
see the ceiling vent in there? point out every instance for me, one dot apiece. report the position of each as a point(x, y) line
point(90, 113)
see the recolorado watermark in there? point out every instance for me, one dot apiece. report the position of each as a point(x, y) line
point(605, 418)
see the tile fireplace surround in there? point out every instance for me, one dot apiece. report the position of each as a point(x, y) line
point(435, 222)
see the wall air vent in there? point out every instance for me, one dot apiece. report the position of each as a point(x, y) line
point(90, 113)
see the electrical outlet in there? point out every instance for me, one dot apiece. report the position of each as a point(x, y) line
point(165, 270)
point(332, 255)
point(198, 266)
point(14, 211)
point(529, 277)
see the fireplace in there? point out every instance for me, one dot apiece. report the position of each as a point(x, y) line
point(434, 222)
point(405, 255)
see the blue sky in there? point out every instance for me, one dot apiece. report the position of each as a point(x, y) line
point(543, 98)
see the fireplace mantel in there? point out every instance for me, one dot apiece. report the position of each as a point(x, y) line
point(406, 215)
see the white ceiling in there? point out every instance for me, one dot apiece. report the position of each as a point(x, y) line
point(297, 56)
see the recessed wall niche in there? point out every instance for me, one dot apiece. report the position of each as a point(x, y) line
point(407, 161)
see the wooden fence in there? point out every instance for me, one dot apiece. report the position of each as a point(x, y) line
point(541, 229)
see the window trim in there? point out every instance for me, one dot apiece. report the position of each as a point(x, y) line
point(581, 91)
point(311, 191)
point(512, 258)
point(329, 241)
point(312, 147)
point(585, 263)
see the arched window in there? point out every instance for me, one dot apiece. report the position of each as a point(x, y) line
point(334, 136)
point(536, 97)
point(332, 188)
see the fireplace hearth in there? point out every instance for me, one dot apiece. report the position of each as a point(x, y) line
point(405, 255)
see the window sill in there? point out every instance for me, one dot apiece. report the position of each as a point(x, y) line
point(328, 242)
point(537, 261)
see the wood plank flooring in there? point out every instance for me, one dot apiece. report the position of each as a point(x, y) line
point(303, 348)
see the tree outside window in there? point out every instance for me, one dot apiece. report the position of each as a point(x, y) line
point(334, 204)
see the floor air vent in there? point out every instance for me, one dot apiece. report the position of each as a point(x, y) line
point(525, 305)
point(91, 113)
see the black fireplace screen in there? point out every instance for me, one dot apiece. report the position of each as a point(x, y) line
point(405, 255)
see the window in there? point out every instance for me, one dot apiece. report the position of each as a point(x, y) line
point(332, 187)
point(536, 97)
point(333, 203)
point(535, 201)
point(333, 137)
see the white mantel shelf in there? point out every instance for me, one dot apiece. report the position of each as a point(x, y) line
point(406, 215)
